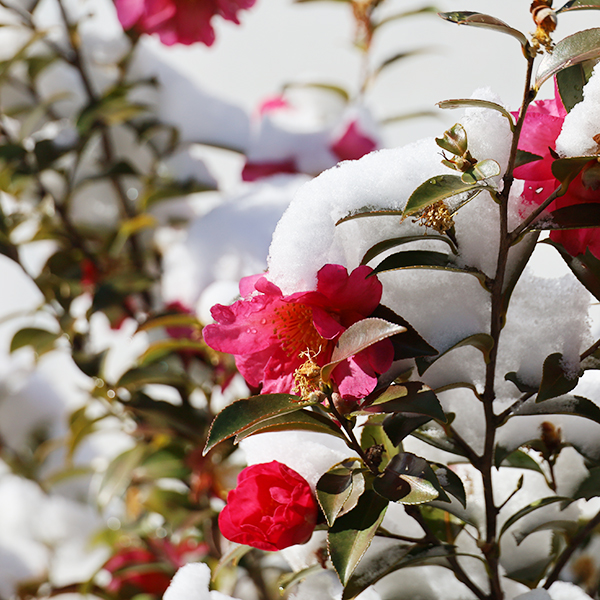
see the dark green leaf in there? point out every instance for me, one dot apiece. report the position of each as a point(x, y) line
point(563, 405)
point(537, 504)
point(444, 525)
point(119, 473)
point(374, 435)
point(579, 5)
point(242, 414)
point(335, 487)
point(390, 560)
point(467, 102)
point(433, 434)
point(574, 49)
point(555, 380)
point(439, 188)
point(40, 340)
point(590, 487)
point(407, 344)
point(351, 534)
point(568, 527)
point(162, 372)
point(476, 19)
point(570, 83)
point(482, 341)
point(521, 386)
point(450, 482)
point(575, 216)
point(357, 338)
point(410, 397)
point(516, 459)
point(385, 245)
point(398, 426)
point(524, 158)
point(162, 348)
point(304, 420)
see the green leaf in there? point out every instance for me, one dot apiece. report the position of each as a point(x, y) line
point(367, 211)
point(433, 434)
point(303, 419)
point(575, 216)
point(162, 348)
point(579, 5)
point(162, 372)
point(40, 340)
point(516, 459)
point(524, 158)
point(410, 397)
point(408, 344)
point(289, 579)
point(404, 15)
point(399, 425)
point(335, 487)
point(590, 487)
point(390, 560)
point(374, 434)
point(119, 473)
point(468, 102)
point(405, 480)
point(444, 525)
point(574, 49)
point(385, 245)
point(171, 320)
point(568, 527)
point(536, 505)
point(454, 140)
point(563, 405)
point(570, 83)
point(482, 341)
point(524, 388)
point(242, 414)
point(351, 534)
point(555, 380)
point(328, 87)
point(481, 170)
point(357, 338)
point(567, 169)
point(399, 56)
point(439, 188)
point(476, 19)
point(450, 482)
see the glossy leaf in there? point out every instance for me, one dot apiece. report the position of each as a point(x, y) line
point(555, 380)
point(480, 171)
point(516, 459)
point(450, 482)
point(579, 5)
point(568, 527)
point(242, 414)
point(367, 211)
point(482, 341)
point(335, 487)
point(535, 505)
point(524, 158)
point(373, 434)
point(397, 426)
point(444, 525)
point(473, 102)
point(351, 535)
point(570, 83)
point(40, 340)
point(439, 188)
point(454, 140)
point(574, 49)
point(390, 560)
point(476, 19)
point(575, 216)
point(407, 344)
point(590, 487)
point(357, 338)
point(586, 267)
point(385, 245)
point(410, 397)
point(433, 434)
point(563, 405)
point(305, 420)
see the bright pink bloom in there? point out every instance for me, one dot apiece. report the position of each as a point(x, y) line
point(272, 508)
point(269, 333)
point(542, 125)
point(178, 21)
point(353, 143)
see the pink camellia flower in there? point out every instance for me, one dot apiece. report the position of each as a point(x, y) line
point(271, 335)
point(178, 21)
point(271, 508)
point(353, 143)
point(542, 125)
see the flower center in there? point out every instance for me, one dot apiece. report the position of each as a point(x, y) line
point(295, 330)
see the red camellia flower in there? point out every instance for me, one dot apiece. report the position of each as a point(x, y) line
point(178, 21)
point(271, 335)
point(542, 125)
point(271, 508)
